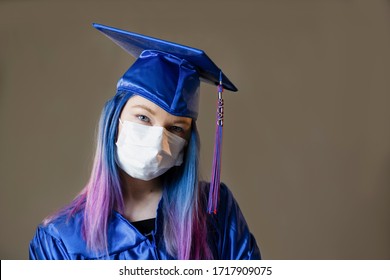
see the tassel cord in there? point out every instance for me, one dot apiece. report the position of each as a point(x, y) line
point(216, 167)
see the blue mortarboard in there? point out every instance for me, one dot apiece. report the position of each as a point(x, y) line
point(169, 75)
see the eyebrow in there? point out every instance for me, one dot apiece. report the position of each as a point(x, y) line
point(145, 108)
point(182, 122)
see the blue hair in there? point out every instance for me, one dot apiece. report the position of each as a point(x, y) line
point(184, 208)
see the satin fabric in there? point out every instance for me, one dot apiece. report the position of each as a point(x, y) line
point(135, 44)
point(228, 236)
point(168, 81)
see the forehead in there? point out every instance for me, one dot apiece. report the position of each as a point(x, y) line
point(137, 102)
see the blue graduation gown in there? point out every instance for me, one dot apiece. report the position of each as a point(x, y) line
point(228, 236)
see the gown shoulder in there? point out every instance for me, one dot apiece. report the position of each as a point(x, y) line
point(58, 239)
point(229, 232)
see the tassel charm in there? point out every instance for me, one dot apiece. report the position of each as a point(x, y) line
point(216, 167)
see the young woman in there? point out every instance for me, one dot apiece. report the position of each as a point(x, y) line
point(144, 199)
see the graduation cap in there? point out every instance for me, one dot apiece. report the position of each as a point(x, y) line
point(169, 75)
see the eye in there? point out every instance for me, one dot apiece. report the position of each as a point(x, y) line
point(143, 118)
point(176, 129)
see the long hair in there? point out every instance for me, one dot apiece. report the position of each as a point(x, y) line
point(184, 207)
point(185, 232)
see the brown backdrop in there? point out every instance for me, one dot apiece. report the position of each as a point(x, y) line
point(307, 138)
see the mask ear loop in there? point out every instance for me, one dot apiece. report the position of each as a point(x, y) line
point(216, 168)
point(120, 121)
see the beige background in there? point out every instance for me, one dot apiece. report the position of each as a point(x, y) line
point(307, 138)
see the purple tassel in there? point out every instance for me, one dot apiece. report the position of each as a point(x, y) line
point(216, 168)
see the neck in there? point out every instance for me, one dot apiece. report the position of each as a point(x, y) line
point(140, 197)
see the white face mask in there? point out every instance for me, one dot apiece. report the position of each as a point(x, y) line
point(145, 152)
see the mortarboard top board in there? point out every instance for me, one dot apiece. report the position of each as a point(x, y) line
point(135, 44)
